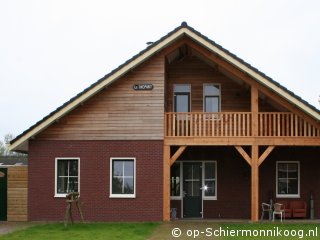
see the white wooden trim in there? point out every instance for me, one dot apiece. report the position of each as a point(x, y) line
point(134, 178)
point(59, 195)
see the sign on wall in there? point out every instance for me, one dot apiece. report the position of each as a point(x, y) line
point(146, 86)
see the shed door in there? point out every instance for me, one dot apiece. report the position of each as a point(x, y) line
point(3, 194)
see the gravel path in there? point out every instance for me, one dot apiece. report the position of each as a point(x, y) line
point(7, 227)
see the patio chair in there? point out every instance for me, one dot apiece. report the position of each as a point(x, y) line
point(278, 210)
point(266, 208)
point(287, 209)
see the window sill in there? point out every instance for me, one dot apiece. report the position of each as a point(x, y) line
point(209, 198)
point(287, 196)
point(122, 196)
point(60, 195)
point(176, 198)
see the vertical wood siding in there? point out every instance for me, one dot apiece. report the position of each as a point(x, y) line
point(17, 193)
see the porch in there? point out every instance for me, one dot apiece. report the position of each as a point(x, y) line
point(226, 193)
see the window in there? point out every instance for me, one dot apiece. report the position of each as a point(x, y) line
point(182, 97)
point(288, 179)
point(175, 181)
point(67, 176)
point(122, 177)
point(210, 180)
point(211, 97)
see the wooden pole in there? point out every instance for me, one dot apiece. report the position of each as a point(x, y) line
point(255, 183)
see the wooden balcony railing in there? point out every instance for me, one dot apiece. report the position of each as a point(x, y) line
point(274, 124)
point(237, 124)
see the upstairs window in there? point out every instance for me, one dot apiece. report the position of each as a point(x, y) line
point(182, 97)
point(288, 179)
point(211, 97)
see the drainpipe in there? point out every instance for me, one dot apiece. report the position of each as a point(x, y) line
point(311, 207)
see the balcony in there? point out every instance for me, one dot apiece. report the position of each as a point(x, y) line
point(237, 124)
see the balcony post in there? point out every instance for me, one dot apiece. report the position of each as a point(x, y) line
point(254, 110)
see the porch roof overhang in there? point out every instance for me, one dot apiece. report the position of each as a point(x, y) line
point(20, 143)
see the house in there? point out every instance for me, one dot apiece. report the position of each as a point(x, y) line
point(13, 188)
point(184, 124)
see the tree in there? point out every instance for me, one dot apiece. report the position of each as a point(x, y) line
point(4, 151)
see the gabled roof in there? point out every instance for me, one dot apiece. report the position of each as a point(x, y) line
point(20, 143)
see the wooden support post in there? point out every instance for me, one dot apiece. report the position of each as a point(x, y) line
point(166, 183)
point(254, 111)
point(177, 154)
point(243, 154)
point(255, 183)
point(265, 154)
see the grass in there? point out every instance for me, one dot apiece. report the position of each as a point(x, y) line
point(96, 231)
point(161, 231)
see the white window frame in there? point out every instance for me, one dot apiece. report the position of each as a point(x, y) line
point(62, 195)
point(134, 178)
point(204, 96)
point(204, 179)
point(288, 195)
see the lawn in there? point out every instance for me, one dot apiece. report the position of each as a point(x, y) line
point(161, 231)
point(96, 231)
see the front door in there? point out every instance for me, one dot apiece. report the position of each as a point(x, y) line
point(3, 194)
point(192, 193)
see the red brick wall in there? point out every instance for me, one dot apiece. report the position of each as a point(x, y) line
point(94, 180)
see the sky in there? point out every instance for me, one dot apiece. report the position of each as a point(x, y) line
point(52, 50)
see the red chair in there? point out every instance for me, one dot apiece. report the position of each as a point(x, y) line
point(299, 209)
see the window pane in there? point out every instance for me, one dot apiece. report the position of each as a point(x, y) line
point(212, 104)
point(293, 170)
point(175, 179)
point(182, 88)
point(62, 168)
point(211, 90)
point(196, 188)
point(73, 165)
point(117, 168)
point(282, 186)
point(128, 168)
point(128, 186)
point(182, 103)
point(209, 170)
point(210, 188)
point(73, 184)
point(282, 170)
point(196, 171)
point(117, 183)
point(292, 186)
point(62, 184)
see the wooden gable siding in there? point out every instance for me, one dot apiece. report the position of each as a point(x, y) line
point(118, 112)
point(234, 97)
